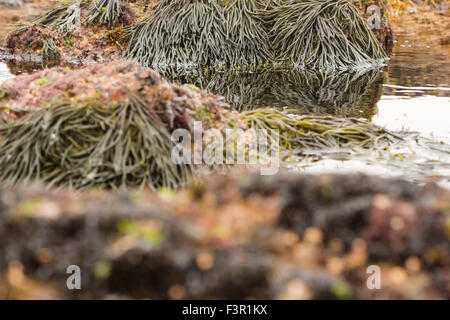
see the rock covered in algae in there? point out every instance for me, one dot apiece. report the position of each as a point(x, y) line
point(106, 125)
point(110, 83)
point(232, 237)
point(238, 33)
point(79, 31)
point(111, 124)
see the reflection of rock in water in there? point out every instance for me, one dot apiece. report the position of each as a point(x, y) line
point(344, 93)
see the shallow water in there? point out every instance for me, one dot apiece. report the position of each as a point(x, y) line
point(416, 95)
point(411, 94)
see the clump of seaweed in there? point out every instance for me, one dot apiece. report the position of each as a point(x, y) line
point(307, 91)
point(107, 125)
point(180, 33)
point(201, 32)
point(64, 17)
point(321, 34)
point(80, 143)
point(107, 12)
point(311, 33)
point(309, 132)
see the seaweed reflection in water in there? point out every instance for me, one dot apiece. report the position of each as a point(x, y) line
point(348, 94)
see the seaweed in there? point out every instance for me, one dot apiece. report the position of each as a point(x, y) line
point(318, 34)
point(81, 143)
point(312, 132)
point(50, 50)
point(64, 130)
point(105, 11)
point(249, 42)
point(180, 33)
point(64, 17)
point(321, 34)
point(235, 34)
point(201, 33)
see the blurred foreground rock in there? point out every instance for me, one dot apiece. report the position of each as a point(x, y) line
point(233, 237)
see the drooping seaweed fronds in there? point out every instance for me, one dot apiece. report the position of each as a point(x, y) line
point(81, 143)
point(3, 93)
point(202, 33)
point(105, 11)
point(180, 33)
point(249, 42)
point(64, 17)
point(308, 132)
point(50, 50)
point(321, 34)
